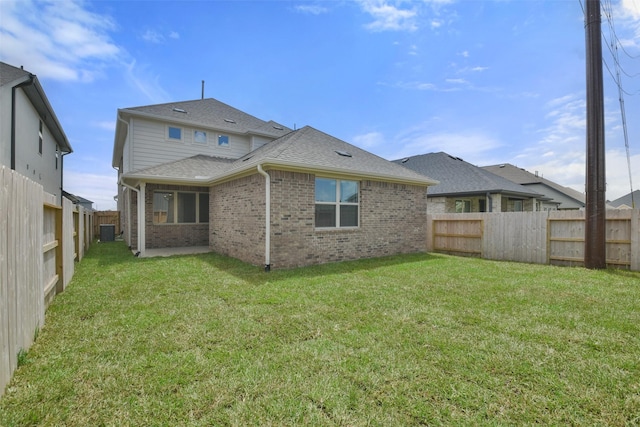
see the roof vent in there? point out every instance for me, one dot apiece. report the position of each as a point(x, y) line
point(229, 120)
point(405, 160)
point(179, 110)
point(343, 153)
point(278, 127)
point(244, 160)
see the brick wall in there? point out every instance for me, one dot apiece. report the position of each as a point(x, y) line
point(237, 218)
point(392, 221)
point(172, 235)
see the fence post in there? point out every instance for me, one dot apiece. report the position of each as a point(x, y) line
point(635, 240)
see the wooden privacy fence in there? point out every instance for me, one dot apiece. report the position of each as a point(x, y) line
point(39, 244)
point(553, 237)
point(105, 217)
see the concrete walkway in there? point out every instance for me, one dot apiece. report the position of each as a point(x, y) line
point(150, 253)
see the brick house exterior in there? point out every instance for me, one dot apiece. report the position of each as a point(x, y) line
point(375, 208)
point(385, 226)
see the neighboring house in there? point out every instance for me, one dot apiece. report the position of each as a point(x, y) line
point(560, 197)
point(202, 173)
point(79, 201)
point(467, 188)
point(630, 201)
point(32, 141)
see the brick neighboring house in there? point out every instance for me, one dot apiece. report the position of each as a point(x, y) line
point(559, 197)
point(467, 188)
point(268, 195)
point(32, 141)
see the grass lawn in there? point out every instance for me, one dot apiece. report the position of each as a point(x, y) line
point(408, 340)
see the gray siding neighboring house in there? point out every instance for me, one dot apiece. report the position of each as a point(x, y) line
point(270, 195)
point(560, 197)
point(630, 201)
point(467, 188)
point(32, 141)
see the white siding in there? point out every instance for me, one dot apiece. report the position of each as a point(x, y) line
point(5, 126)
point(151, 146)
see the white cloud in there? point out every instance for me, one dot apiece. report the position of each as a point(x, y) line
point(99, 188)
point(57, 40)
point(146, 82)
point(369, 140)
point(474, 146)
point(152, 36)
point(106, 125)
point(311, 9)
point(388, 17)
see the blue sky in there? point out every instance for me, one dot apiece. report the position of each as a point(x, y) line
point(488, 81)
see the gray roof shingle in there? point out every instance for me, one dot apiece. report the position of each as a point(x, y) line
point(212, 113)
point(305, 149)
point(627, 200)
point(459, 177)
point(521, 176)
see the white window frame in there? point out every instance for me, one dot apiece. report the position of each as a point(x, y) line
point(337, 203)
point(174, 195)
point(227, 144)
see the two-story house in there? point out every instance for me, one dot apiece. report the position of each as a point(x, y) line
point(202, 173)
point(32, 141)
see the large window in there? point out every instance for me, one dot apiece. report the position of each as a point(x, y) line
point(336, 203)
point(177, 207)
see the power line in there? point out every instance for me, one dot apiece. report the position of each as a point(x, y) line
point(621, 91)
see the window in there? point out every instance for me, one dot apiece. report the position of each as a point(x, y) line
point(199, 137)
point(336, 203)
point(482, 205)
point(517, 206)
point(177, 207)
point(463, 206)
point(57, 155)
point(174, 133)
point(40, 138)
point(223, 140)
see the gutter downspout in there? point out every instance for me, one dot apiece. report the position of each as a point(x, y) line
point(13, 118)
point(489, 202)
point(129, 212)
point(267, 225)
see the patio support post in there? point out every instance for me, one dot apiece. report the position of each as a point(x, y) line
point(141, 219)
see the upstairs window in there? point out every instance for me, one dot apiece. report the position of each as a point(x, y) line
point(223, 140)
point(174, 133)
point(337, 203)
point(200, 137)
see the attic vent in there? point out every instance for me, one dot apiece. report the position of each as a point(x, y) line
point(278, 127)
point(229, 120)
point(179, 110)
point(343, 153)
point(405, 160)
point(244, 160)
point(456, 158)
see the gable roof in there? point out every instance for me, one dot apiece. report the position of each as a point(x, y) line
point(12, 76)
point(206, 113)
point(627, 200)
point(523, 177)
point(305, 150)
point(458, 177)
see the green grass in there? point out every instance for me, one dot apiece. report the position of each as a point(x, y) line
point(407, 340)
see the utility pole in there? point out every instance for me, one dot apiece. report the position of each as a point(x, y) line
point(595, 225)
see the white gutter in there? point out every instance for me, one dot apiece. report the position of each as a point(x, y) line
point(124, 184)
point(267, 225)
